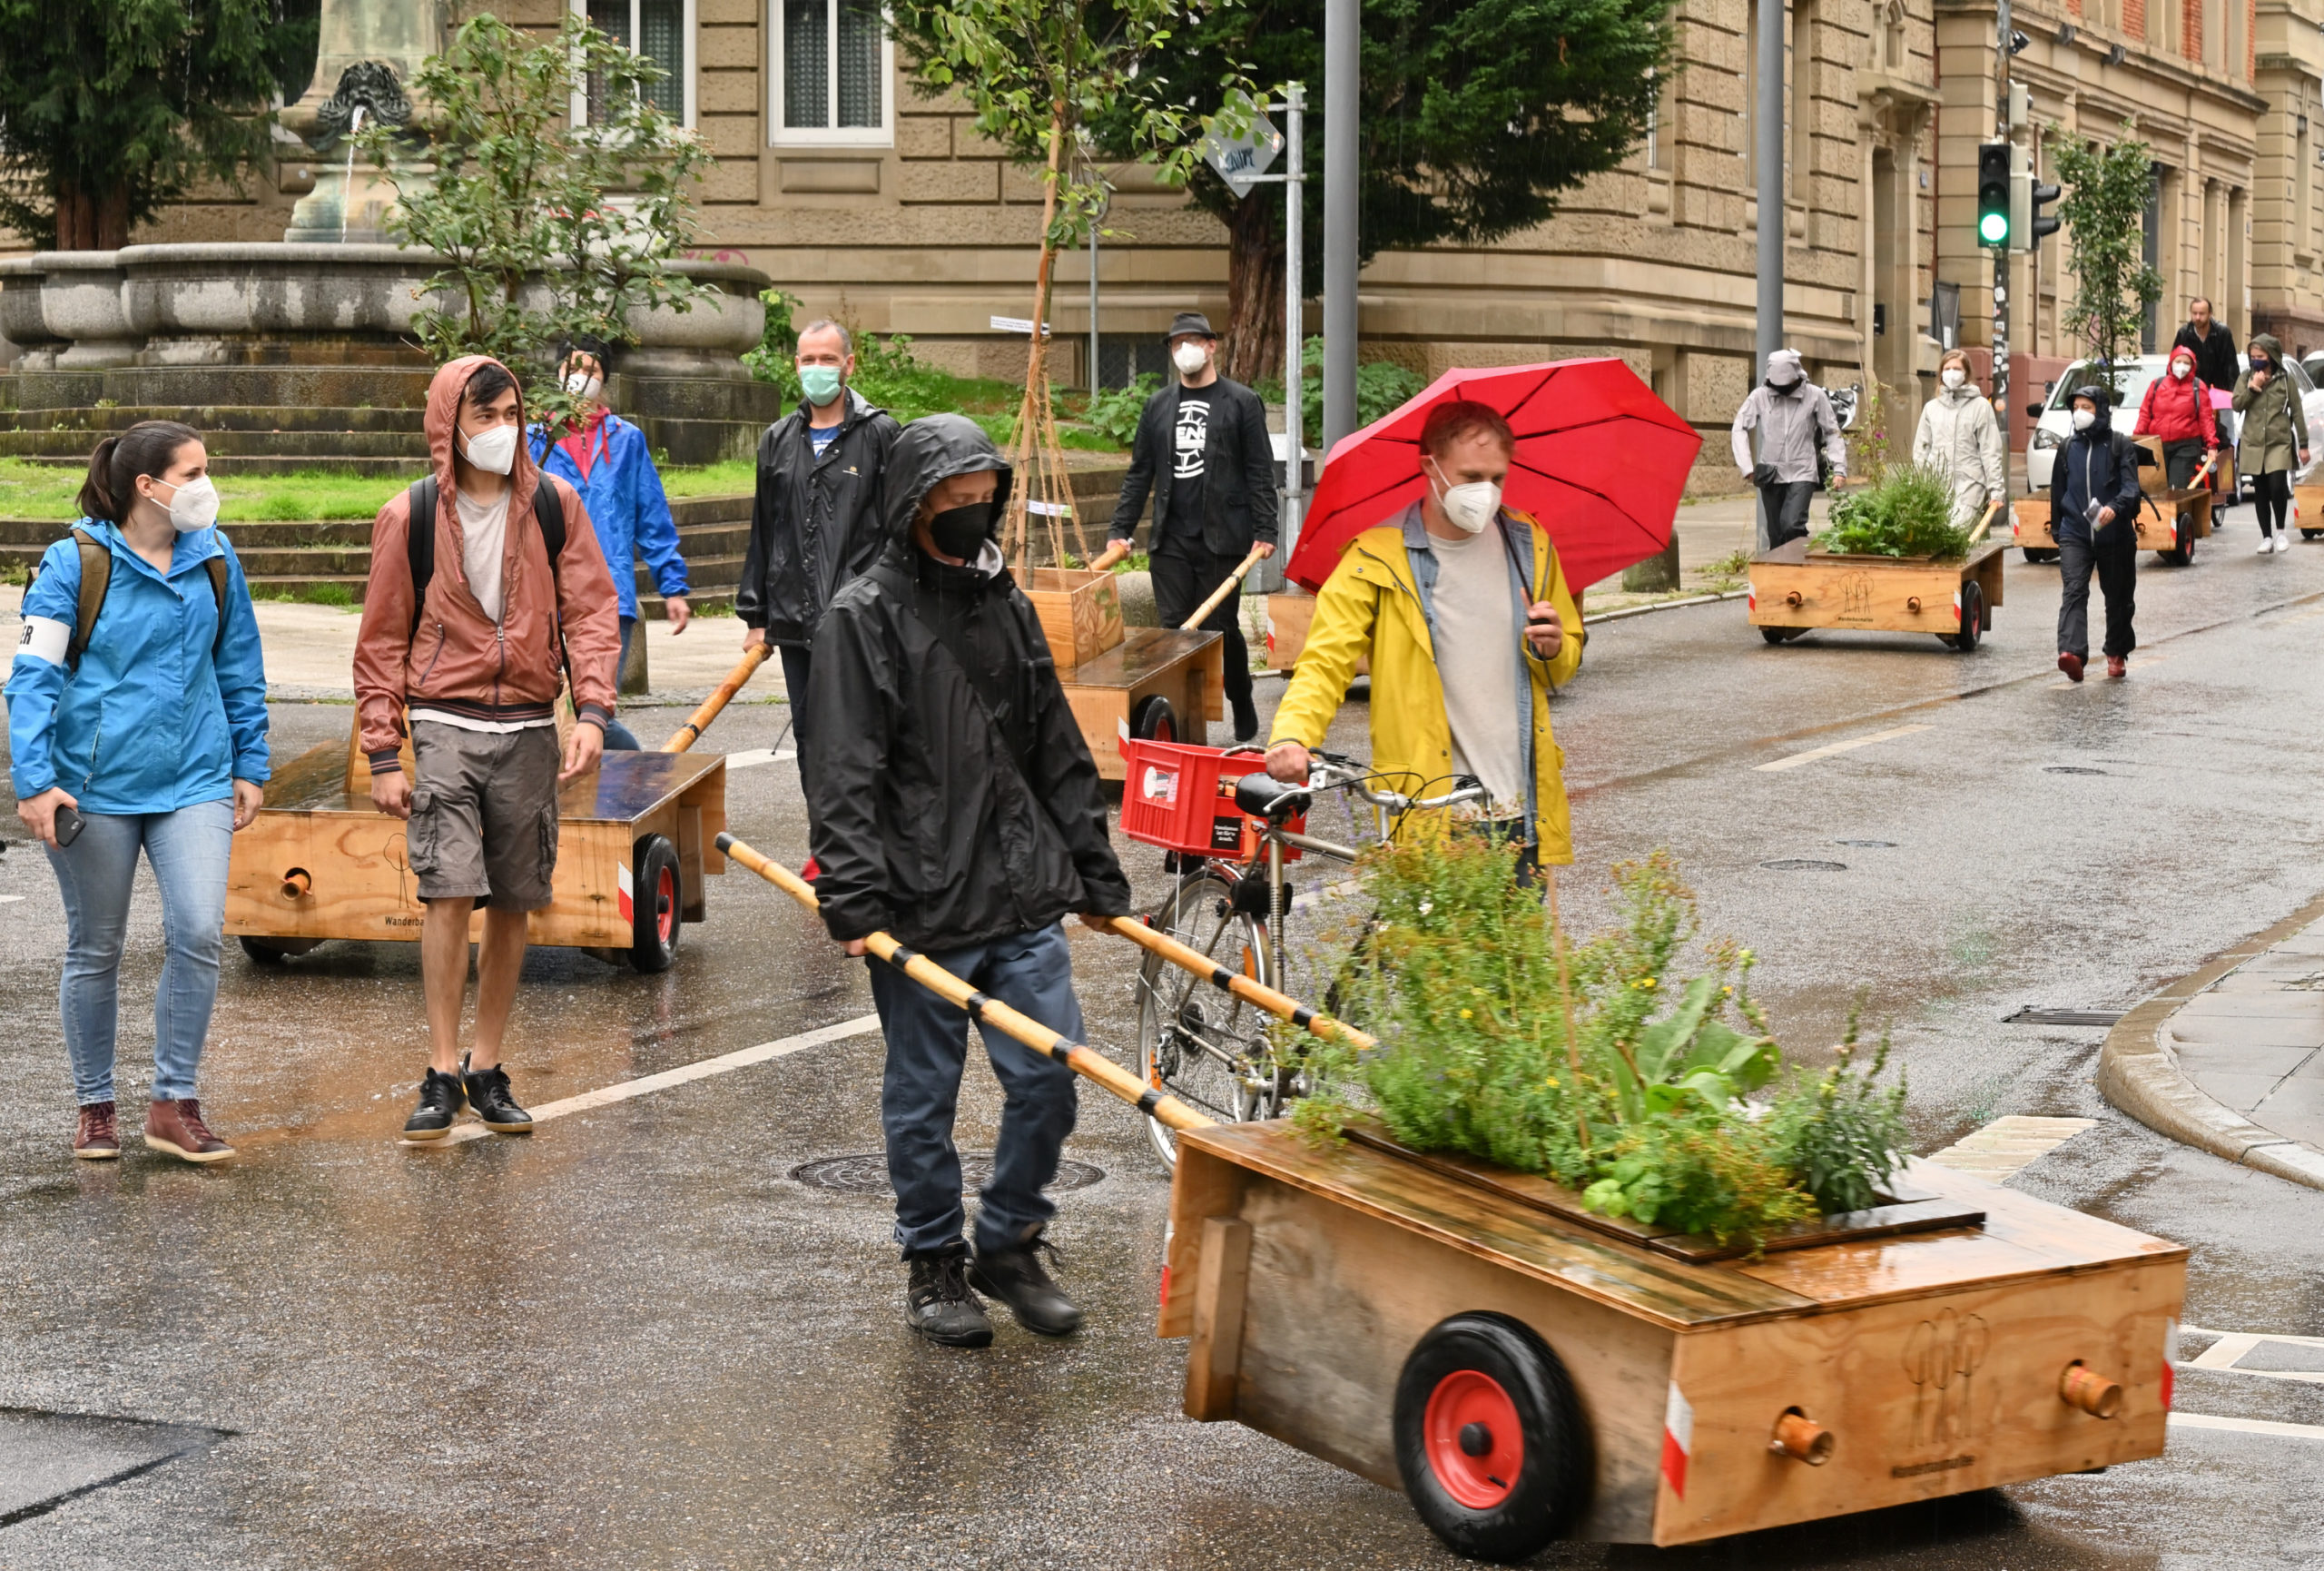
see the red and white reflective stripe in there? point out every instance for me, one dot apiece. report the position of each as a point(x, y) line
point(1751, 601)
point(1678, 1440)
point(1957, 605)
point(624, 892)
point(2169, 1358)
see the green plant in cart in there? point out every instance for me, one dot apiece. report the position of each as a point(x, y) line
point(1906, 512)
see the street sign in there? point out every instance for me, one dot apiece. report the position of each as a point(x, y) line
point(1240, 161)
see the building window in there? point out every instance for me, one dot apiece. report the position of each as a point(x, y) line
point(660, 30)
point(833, 72)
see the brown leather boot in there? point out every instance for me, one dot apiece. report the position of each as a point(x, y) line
point(98, 1139)
point(176, 1127)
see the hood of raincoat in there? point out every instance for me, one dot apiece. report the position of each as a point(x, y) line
point(931, 449)
point(441, 423)
point(2267, 343)
point(2104, 402)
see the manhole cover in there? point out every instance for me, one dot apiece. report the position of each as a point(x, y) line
point(49, 1458)
point(1803, 864)
point(2069, 769)
point(2028, 1015)
point(868, 1175)
point(1876, 844)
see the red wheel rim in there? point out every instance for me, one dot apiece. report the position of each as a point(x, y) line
point(666, 903)
point(1475, 1444)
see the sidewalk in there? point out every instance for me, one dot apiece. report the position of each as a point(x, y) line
point(2232, 1058)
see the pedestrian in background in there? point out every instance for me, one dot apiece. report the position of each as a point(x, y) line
point(952, 802)
point(606, 461)
point(1958, 438)
point(2094, 517)
point(2214, 351)
point(815, 521)
point(140, 681)
point(2177, 411)
point(1202, 449)
point(1795, 423)
point(2274, 438)
point(487, 589)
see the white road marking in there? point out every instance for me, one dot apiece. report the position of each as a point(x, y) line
point(2224, 1353)
point(623, 1091)
point(10, 899)
point(2248, 1426)
point(2007, 1146)
point(1795, 760)
point(751, 758)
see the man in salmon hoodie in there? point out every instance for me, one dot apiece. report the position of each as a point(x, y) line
point(462, 628)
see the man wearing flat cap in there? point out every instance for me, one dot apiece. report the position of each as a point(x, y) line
point(1202, 451)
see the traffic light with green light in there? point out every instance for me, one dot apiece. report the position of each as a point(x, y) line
point(1993, 193)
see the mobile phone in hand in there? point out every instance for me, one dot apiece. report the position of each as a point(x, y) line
point(68, 824)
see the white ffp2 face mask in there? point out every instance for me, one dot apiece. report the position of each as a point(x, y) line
point(1952, 377)
point(1190, 358)
point(1470, 507)
point(2085, 419)
point(193, 507)
point(493, 452)
point(582, 385)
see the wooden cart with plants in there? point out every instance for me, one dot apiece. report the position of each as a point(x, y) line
point(1891, 561)
point(1689, 1299)
point(635, 839)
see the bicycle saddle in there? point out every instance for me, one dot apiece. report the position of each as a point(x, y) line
point(1263, 795)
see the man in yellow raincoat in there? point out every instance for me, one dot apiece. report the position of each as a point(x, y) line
point(1463, 610)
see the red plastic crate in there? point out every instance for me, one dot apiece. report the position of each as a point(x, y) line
point(1182, 798)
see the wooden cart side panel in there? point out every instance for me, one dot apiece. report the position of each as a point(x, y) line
point(1839, 595)
point(1990, 578)
point(1203, 1186)
point(1214, 1356)
point(1290, 613)
point(1336, 1301)
point(707, 795)
point(1935, 1396)
point(1080, 612)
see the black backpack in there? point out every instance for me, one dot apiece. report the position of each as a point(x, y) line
point(96, 583)
point(548, 511)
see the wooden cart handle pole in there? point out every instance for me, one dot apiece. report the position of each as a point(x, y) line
point(687, 735)
point(1220, 593)
point(1984, 523)
point(987, 1012)
point(1114, 552)
point(1279, 1004)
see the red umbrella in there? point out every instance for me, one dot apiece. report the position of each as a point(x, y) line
point(1600, 461)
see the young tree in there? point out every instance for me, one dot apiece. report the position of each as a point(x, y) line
point(592, 214)
point(1476, 116)
point(1036, 71)
point(109, 108)
point(2104, 212)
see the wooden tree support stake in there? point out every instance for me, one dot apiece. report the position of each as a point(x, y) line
point(986, 1011)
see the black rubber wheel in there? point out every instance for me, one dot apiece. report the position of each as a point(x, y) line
point(1489, 1439)
point(275, 950)
point(1155, 721)
point(2040, 554)
point(1973, 620)
point(1780, 635)
point(653, 905)
point(2310, 534)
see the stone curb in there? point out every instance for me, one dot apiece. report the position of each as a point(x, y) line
point(2138, 1074)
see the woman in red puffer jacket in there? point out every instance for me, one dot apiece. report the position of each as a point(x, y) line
point(2178, 408)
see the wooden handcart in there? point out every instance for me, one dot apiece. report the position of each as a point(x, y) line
point(1524, 1371)
point(1795, 590)
point(2169, 525)
point(1163, 684)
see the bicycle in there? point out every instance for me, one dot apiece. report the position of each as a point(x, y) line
point(1230, 842)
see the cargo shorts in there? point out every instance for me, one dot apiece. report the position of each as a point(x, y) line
point(484, 815)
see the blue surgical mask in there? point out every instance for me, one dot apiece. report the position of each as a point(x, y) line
point(820, 383)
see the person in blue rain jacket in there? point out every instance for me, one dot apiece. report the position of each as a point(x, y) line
point(605, 458)
point(144, 730)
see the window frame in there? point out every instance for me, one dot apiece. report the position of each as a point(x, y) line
point(781, 135)
point(688, 79)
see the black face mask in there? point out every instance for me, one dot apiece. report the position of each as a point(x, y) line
point(961, 531)
point(2260, 362)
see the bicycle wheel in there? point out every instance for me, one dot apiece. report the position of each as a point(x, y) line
point(1208, 1047)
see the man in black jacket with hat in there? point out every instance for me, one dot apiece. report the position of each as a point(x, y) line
point(1202, 449)
point(951, 802)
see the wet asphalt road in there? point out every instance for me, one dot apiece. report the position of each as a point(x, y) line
point(634, 1341)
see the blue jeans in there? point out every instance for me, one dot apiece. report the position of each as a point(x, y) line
point(188, 851)
point(620, 738)
point(927, 1047)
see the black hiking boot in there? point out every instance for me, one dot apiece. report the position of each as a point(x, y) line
point(488, 1091)
point(1016, 1278)
point(939, 1305)
point(440, 1101)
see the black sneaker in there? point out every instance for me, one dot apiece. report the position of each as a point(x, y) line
point(939, 1305)
point(488, 1091)
point(1016, 1278)
point(1246, 720)
point(440, 1101)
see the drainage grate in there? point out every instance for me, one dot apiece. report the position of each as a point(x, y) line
point(1874, 844)
point(1803, 864)
point(47, 1459)
point(2069, 769)
point(2028, 1015)
point(868, 1175)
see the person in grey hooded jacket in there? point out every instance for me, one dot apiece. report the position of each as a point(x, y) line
point(1793, 417)
point(1959, 440)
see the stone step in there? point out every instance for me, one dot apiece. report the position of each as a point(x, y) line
point(313, 445)
point(207, 418)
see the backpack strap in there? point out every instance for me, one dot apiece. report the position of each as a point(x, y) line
point(217, 568)
point(549, 512)
point(419, 543)
point(96, 582)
